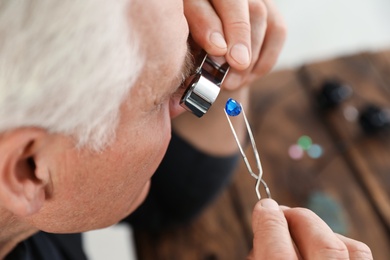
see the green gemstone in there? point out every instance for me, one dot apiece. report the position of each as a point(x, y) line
point(305, 142)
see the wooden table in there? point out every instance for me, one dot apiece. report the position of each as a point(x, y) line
point(352, 176)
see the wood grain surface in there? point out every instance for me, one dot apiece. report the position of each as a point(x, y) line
point(353, 173)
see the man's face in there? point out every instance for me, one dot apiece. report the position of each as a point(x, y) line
point(97, 189)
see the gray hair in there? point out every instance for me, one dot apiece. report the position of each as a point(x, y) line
point(66, 66)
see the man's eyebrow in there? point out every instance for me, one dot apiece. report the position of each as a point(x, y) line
point(186, 70)
point(188, 66)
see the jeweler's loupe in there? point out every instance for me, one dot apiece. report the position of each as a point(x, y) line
point(202, 88)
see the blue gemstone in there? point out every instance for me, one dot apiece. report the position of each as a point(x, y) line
point(232, 107)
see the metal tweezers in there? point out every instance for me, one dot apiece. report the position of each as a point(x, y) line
point(259, 175)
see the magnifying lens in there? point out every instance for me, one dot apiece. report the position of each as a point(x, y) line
point(204, 85)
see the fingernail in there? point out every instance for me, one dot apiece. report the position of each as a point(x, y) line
point(269, 204)
point(217, 39)
point(240, 54)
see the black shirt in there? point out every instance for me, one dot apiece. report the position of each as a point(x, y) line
point(45, 246)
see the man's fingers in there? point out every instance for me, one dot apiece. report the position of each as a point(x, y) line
point(205, 26)
point(237, 28)
point(275, 37)
point(271, 234)
point(258, 18)
point(258, 21)
point(313, 238)
point(248, 33)
point(298, 233)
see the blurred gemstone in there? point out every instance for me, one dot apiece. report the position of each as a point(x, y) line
point(232, 107)
point(351, 113)
point(315, 151)
point(295, 152)
point(304, 142)
point(330, 210)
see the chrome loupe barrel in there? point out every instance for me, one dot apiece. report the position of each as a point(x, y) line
point(204, 86)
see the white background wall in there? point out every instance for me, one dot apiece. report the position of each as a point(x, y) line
point(321, 29)
point(318, 29)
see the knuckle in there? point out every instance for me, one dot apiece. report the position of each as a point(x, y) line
point(241, 25)
point(258, 8)
point(336, 251)
point(359, 250)
point(281, 30)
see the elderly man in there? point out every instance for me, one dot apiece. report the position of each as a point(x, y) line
point(87, 93)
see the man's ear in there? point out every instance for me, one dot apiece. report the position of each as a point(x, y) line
point(22, 185)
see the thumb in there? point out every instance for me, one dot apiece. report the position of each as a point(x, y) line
point(272, 238)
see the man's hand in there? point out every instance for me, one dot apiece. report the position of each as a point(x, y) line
point(249, 33)
point(297, 233)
